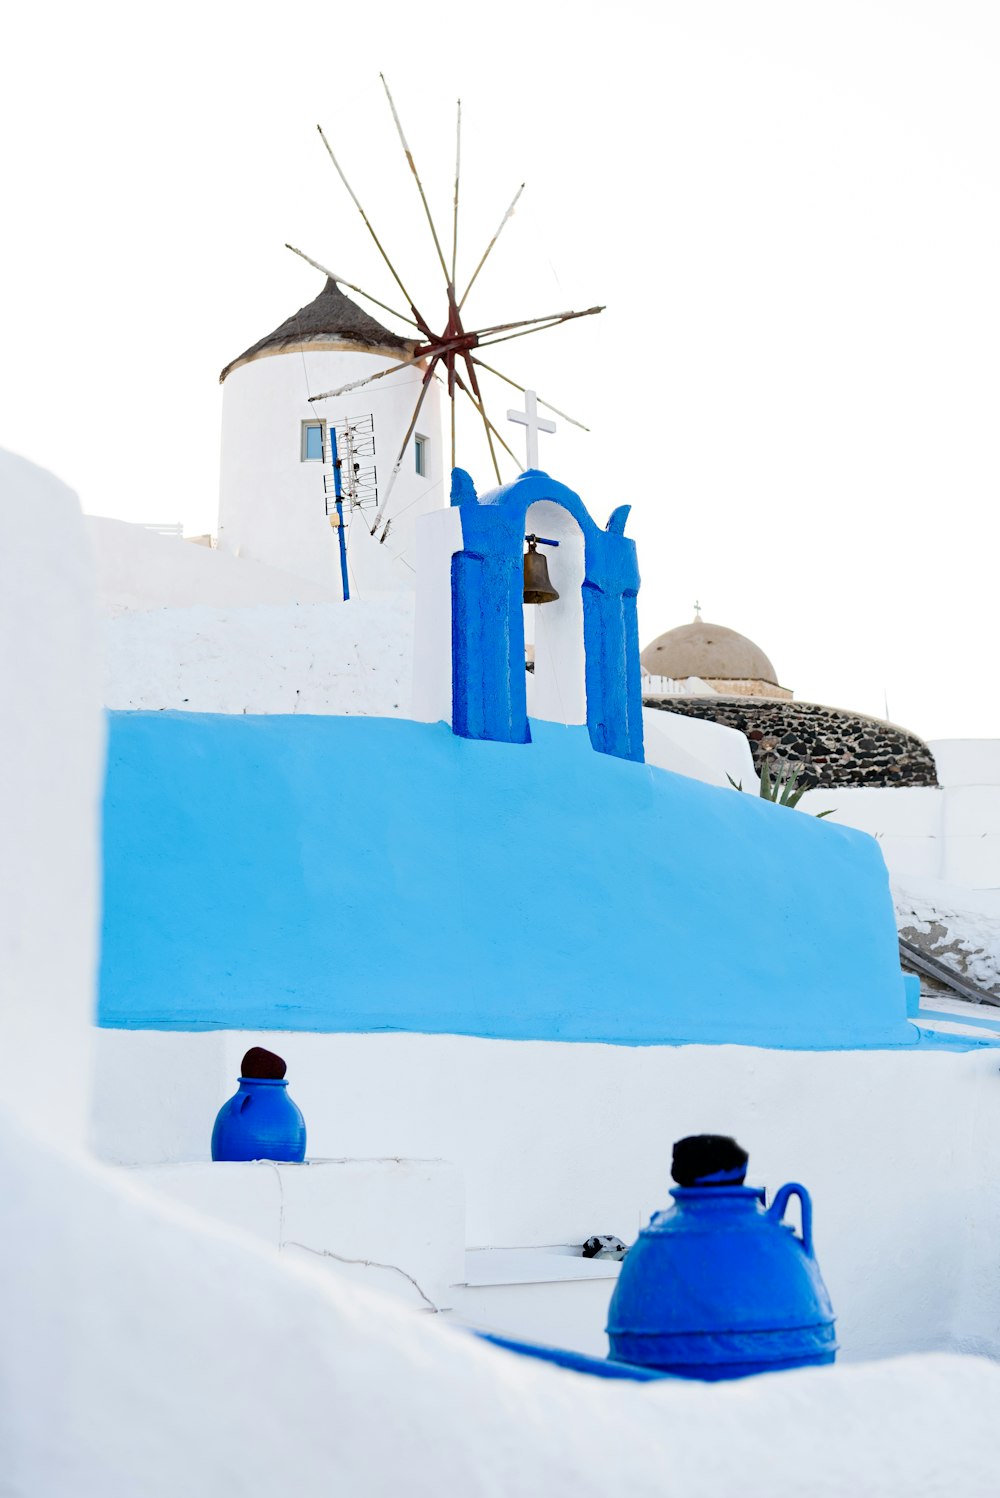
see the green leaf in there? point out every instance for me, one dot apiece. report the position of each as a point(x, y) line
point(794, 792)
point(784, 786)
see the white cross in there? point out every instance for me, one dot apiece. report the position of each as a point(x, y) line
point(530, 418)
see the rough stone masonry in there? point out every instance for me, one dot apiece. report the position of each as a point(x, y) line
point(834, 747)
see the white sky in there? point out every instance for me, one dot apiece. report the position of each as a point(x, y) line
point(790, 209)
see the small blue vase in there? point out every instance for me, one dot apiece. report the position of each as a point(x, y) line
point(259, 1122)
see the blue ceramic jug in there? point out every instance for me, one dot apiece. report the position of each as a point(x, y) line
point(718, 1287)
point(260, 1122)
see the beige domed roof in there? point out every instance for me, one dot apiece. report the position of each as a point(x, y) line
point(707, 650)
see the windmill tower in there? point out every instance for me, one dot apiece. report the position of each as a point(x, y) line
point(277, 499)
point(331, 371)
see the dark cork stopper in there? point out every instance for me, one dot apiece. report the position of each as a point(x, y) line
point(264, 1065)
point(709, 1160)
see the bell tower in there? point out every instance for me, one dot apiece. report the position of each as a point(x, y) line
point(469, 666)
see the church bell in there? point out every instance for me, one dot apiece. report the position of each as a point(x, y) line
point(537, 583)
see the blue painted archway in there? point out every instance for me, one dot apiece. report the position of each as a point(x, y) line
point(489, 699)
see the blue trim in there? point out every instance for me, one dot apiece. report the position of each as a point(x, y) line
point(488, 688)
point(489, 698)
point(934, 1040)
point(576, 1362)
point(979, 1021)
point(312, 442)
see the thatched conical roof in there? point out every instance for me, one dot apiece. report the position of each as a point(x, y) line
point(332, 315)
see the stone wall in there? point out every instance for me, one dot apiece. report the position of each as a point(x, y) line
point(835, 748)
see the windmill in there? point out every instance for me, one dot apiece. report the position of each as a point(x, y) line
point(456, 349)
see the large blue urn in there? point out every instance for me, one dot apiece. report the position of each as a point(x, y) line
point(718, 1286)
point(260, 1121)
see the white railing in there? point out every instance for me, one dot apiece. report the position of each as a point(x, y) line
point(666, 686)
point(166, 529)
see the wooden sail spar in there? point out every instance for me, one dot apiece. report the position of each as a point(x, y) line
point(453, 347)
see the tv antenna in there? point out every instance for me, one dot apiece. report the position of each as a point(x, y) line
point(349, 474)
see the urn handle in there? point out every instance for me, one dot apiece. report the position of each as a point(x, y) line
point(777, 1211)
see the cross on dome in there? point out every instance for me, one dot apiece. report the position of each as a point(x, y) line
point(534, 423)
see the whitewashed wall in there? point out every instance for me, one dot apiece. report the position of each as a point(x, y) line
point(698, 748)
point(438, 537)
point(138, 570)
point(271, 505)
point(907, 822)
point(950, 832)
point(147, 1350)
point(51, 771)
point(396, 1225)
point(353, 657)
point(967, 762)
point(558, 1141)
point(969, 771)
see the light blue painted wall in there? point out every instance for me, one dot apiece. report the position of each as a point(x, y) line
point(330, 873)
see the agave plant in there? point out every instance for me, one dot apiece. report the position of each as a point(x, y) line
point(785, 788)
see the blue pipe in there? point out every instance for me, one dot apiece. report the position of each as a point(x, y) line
point(340, 512)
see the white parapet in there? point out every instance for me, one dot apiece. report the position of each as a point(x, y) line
point(397, 1225)
point(350, 659)
point(438, 538)
point(139, 570)
point(669, 686)
point(699, 748)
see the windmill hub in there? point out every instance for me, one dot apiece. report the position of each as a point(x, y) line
point(458, 343)
point(454, 346)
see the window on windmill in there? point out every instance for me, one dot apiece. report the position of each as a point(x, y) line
point(312, 441)
point(421, 446)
